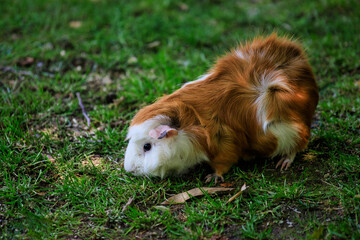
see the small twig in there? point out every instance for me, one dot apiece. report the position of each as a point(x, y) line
point(83, 109)
point(237, 194)
point(127, 204)
point(9, 69)
point(88, 141)
point(295, 210)
point(331, 185)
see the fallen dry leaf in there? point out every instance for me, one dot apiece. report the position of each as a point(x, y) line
point(154, 44)
point(357, 83)
point(50, 158)
point(132, 60)
point(25, 62)
point(237, 194)
point(183, 6)
point(184, 196)
point(75, 24)
point(309, 157)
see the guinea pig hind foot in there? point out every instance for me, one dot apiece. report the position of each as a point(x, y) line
point(285, 162)
point(217, 178)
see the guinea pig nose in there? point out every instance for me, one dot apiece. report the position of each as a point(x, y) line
point(129, 169)
point(133, 170)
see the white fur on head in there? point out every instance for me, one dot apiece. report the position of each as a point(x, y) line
point(168, 155)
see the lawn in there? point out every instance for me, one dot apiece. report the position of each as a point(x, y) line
point(63, 179)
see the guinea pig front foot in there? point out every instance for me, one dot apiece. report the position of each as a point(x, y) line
point(285, 162)
point(217, 178)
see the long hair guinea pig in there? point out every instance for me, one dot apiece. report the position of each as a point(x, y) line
point(258, 100)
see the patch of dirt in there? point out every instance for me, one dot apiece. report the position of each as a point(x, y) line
point(95, 160)
point(48, 68)
point(233, 232)
point(58, 128)
point(152, 234)
point(290, 223)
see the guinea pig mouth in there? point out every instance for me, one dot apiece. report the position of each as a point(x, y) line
point(136, 170)
point(133, 171)
point(159, 171)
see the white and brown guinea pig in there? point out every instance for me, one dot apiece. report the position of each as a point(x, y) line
point(257, 100)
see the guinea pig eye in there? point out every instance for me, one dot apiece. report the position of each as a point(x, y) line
point(147, 147)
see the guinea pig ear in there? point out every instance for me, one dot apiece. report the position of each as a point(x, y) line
point(163, 131)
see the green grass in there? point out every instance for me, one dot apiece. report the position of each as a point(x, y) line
point(124, 55)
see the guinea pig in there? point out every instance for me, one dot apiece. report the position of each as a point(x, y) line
point(257, 100)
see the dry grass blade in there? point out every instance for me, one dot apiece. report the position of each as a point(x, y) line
point(184, 196)
point(237, 194)
point(127, 204)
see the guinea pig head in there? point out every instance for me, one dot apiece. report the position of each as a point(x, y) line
point(157, 149)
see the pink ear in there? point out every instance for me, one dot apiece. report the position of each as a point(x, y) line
point(163, 131)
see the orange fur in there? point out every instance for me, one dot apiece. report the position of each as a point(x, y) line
point(221, 111)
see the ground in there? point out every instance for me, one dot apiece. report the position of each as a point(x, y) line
point(60, 178)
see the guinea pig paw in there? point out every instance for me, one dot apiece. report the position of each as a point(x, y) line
point(214, 176)
point(285, 163)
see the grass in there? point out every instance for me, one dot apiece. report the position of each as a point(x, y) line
point(62, 179)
